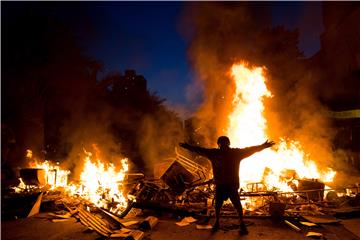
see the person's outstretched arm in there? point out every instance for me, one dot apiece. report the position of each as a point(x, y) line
point(198, 150)
point(246, 152)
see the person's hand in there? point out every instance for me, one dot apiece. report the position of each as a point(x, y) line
point(268, 144)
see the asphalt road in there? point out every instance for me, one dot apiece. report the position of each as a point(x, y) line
point(39, 227)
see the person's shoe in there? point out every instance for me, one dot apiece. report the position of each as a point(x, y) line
point(215, 227)
point(243, 229)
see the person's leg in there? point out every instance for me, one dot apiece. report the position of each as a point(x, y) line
point(235, 199)
point(219, 200)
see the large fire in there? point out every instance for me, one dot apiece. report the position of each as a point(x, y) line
point(277, 168)
point(247, 127)
point(100, 183)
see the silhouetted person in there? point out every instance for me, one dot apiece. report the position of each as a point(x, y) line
point(225, 162)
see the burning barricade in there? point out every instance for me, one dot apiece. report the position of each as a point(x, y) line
point(275, 182)
point(104, 196)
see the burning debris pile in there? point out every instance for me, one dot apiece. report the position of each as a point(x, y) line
point(179, 191)
point(276, 182)
point(100, 184)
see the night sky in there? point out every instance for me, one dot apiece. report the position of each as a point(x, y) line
point(147, 37)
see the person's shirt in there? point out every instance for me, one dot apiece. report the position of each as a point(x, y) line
point(225, 162)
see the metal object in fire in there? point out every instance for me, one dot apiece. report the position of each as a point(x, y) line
point(177, 177)
point(33, 176)
point(314, 187)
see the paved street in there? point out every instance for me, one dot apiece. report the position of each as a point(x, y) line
point(40, 227)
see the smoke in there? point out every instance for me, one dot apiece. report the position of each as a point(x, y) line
point(90, 132)
point(225, 33)
point(217, 36)
point(157, 137)
point(132, 123)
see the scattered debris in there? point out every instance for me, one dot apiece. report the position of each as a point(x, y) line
point(314, 235)
point(185, 190)
point(186, 221)
point(63, 216)
point(182, 223)
point(130, 223)
point(61, 220)
point(36, 208)
point(293, 226)
point(135, 235)
point(149, 223)
point(94, 222)
point(308, 224)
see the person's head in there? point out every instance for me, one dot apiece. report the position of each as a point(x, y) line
point(223, 142)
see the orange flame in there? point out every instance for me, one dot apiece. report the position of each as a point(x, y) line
point(247, 127)
point(55, 176)
point(101, 183)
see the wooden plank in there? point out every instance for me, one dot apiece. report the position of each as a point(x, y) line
point(94, 223)
point(62, 220)
point(94, 218)
point(66, 215)
point(85, 216)
point(92, 227)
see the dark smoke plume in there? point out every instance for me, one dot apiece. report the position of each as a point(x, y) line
point(225, 33)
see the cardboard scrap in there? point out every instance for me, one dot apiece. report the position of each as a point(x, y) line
point(314, 234)
point(182, 223)
point(186, 221)
point(129, 223)
point(190, 219)
point(309, 224)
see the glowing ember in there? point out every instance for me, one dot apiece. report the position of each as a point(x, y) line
point(20, 187)
point(29, 153)
point(247, 125)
